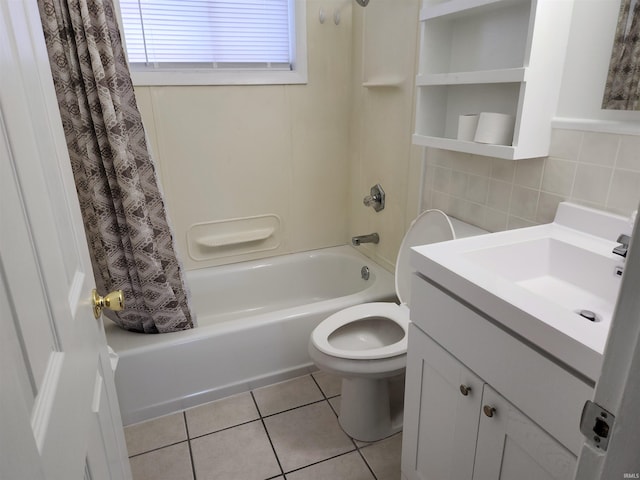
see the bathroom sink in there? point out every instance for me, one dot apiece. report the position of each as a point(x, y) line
point(570, 276)
point(554, 286)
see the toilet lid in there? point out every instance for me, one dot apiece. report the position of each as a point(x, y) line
point(430, 226)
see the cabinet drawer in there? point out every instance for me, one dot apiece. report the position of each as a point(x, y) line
point(542, 389)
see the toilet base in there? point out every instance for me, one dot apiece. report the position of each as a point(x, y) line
point(371, 409)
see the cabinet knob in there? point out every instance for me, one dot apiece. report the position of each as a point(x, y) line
point(489, 411)
point(465, 390)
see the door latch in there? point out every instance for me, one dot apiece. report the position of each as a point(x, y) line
point(596, 424)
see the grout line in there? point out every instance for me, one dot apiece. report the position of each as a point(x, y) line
point(318, 385)
point(323, 460)
point(225, 428)
point(273, 448)
point(613, 173)
point(292, 408)
point(333, 409)
point(186, 426)
point(367, 464)
point(276, 476)
point(159, 448)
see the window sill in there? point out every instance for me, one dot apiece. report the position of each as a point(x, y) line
point(218, 77)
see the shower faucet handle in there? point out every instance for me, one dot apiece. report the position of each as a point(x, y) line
point(375, 198)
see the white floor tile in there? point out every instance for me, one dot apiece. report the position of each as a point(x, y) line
point(224, 413)
point(168, 463)
point(285, 395)
point(345, 467)
point(307, 435)
point(242, 452)
point(384, 457)
point(331, 385)
point(156, 433)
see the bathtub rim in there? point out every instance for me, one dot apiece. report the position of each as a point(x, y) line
point(121, 341)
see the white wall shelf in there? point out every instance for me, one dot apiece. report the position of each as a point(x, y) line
point(499, 151)
point(384, 82)
point(461, 8)
point(504, 75)
point(503, 56)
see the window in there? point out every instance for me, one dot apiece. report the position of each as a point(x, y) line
point(186, 42)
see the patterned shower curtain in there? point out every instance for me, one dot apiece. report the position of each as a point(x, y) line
point(622, 91)
point(130, 241)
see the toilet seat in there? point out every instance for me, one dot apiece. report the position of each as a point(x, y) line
point(391, 311)
point(429, 227)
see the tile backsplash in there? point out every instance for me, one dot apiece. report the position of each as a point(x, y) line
point(600, 170)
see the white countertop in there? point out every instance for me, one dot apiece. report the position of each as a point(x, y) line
point(533, 281)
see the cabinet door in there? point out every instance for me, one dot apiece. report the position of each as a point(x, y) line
point(442, 404)
point(512, 447)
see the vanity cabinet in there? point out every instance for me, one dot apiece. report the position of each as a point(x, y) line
point(479, 403)
point(465, 430)
point(504, 56)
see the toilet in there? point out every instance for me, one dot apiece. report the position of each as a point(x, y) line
point(366, 344)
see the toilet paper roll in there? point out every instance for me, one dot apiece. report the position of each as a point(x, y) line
point(495, 128)
point(467, 125)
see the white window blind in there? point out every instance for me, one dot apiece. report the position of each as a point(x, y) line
point(208, 33)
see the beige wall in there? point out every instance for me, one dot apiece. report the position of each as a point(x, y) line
point(226, 152)
point(384, 52)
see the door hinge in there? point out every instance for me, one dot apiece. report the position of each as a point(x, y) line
point(596, 424)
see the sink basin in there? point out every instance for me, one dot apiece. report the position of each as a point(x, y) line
point(565, 274)
point(540, 282)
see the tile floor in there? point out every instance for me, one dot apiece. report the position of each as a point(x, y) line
point(284, 431)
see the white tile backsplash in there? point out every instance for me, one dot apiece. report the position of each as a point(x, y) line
point(599, 148)
point(565, 144)
point(629, 153)
point(624, 189)
point(529, 173)
point(558, 176)
point(600, 170)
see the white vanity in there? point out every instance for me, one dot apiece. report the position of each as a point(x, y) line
point(500, 362)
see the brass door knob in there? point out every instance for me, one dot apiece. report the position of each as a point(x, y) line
point(113, 301)
point(465, 390)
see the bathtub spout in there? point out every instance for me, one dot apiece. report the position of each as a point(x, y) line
point(371, 238)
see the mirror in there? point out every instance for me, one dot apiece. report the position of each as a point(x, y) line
point(622, 90)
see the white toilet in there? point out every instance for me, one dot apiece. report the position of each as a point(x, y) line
point(367, 344)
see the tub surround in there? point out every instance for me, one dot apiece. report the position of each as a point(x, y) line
point(229, 152)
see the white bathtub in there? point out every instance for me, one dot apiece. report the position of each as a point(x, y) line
point(254, 320)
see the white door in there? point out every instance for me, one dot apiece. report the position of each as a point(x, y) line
point(618, 388)
point(59, 416)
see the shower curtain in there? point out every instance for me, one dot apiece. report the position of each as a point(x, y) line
point(622, 90)
point(130, 241)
